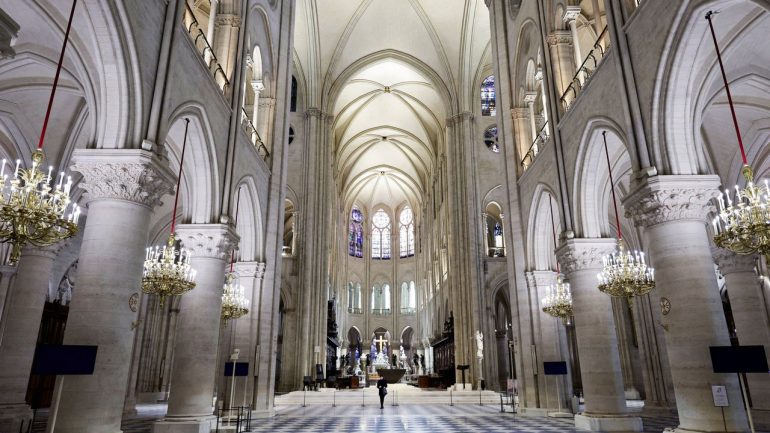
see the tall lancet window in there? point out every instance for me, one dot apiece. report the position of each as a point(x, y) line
point(381, 235)
point(356, 233)
point(381, 299)
point(354, 298)
point(408, 298)
point(406, 233)
point(488, 107)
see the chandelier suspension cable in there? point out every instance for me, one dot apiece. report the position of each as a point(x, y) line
point(612, 187)
point(56, 77)
point(553, 233)
point(235, 223)
point(558, 298)
point(179, 178)
point(709, 15)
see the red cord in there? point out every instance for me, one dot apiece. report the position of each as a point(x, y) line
point(709, 14)
point(179, 178)
point(56, 78)
point(553, 231)
point(612, 186)
point(237, 206)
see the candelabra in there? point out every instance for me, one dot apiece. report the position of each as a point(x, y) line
point(558, 299)
point(743, 222)
point(167, 271)
point(234, 302)
point(624, 273)
point(32, 211)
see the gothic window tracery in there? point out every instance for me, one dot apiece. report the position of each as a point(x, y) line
point(381, 235)
point(406, 233)
point(490, 139)
point(408, 298)
point(381, 299)
point(488, 107)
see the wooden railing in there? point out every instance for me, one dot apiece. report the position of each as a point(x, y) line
point(537, 146)
point(252, 132)
point(586, 70)
point(203, 47)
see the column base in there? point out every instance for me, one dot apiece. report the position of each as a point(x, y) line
point(608, 423)
point(15, 417)
point(185, 425)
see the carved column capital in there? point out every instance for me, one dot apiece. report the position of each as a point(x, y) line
point(560, 37)
point(662, 199)
point(266, 102)
point(250, 269)
point(231, 20)
point(519, 113)
point(123, 174)
point(584, 254)
point(729, 262)
point(208, 240)
point(571, 14)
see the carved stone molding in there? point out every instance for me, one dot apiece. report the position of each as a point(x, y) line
point(250, 269)
point(560, 37)
point(572, 13)
point(664, 199)
point(582, 254)
point(228, 20)
point(317, 112)
point(459, 118)
point(266, 102)
point(123, 174)
point(543, 279)
point(208, 240)
point(519, 113)
point(729, 262)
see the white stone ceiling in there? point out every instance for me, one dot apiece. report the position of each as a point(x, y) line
point(390, 113)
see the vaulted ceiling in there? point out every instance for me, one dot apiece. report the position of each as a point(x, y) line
point(391, 72)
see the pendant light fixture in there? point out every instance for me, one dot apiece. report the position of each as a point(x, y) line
point(35, 208)
point(234, 302)
point(558, 298)
point(625, 273)
point(743, 223)
point(167, 270)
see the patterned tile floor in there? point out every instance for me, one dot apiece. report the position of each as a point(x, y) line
point(413, 418)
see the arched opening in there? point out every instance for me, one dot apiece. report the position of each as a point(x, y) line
point(408, 298)
point(380, 353)
point(381, 299)
point(354, 298)
point(289, 239)
point(406, 350)
point(506, 367)
point(495, 239)
point(488, 105)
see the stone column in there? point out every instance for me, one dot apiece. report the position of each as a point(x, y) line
point(7, 276)
point(530, 98)
point(225, 47)
point(672, 210)
point(211, 28)
point(25, 309)
point(570, 17)
point(561, 57)
point(749, 313)
point(521, 137)
point(257, 87)
point(544, 98)
point(193, 375)
point(122, 185)
point(597, 339)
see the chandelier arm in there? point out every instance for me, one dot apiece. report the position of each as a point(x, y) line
point(709, 16)
point(56, 77)
point(179, 178)
point(612, 186)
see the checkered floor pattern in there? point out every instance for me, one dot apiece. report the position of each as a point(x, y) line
point(413, 418)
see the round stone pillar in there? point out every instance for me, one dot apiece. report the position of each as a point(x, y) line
point(751, 325)
point(122, 187)
point(602, 378)
point(25, 309)
point(672, 210)
point(193, 375)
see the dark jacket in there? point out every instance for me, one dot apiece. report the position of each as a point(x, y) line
point(382, 386)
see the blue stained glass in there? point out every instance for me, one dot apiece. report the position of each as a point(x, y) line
point(488, 107)
point(356, 233)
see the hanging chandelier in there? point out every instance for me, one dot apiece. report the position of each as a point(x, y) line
point(33, 210)
point(234, 302)
point(625, 273)
point(558, 298)
point(743, 222)
point(167, 270)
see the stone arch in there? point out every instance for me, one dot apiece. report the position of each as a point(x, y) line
point(249, 221)
point(592, 201)
point(688, 79)
point(540, 243)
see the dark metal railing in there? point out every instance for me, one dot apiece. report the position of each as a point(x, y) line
point(251, 130)
point(204, 47)
point(537, 146)
point(381, 311)
point(586, 70)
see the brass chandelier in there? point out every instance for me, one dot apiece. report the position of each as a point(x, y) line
point(625, 273)
point(558, 298)
point(33, 210)
point(743, 222)
point(167, 270)
point(234, 302)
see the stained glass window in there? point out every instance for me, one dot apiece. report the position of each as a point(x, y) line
point(356, 233)
point(488, 96)
point(406, 233)
point(381, 235)
point(490, 139)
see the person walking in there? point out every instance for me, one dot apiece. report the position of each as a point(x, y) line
point(382, 387)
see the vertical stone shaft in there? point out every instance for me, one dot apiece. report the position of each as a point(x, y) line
point(672, 210)
point(25, 309)
point(122, 187)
